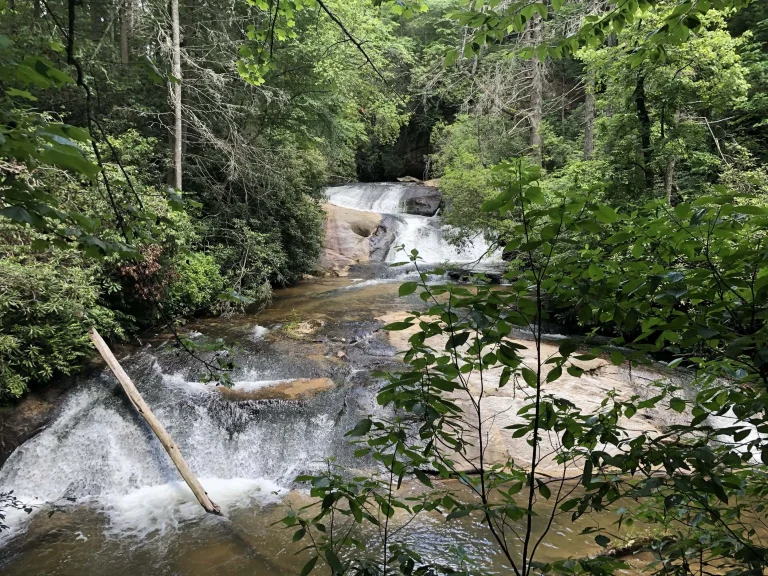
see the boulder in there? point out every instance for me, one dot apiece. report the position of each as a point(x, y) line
point(422, 200)
point(381, 240)
point(347, 234)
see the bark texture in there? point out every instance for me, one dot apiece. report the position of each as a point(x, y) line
point(644, 119)
point(125, 31)
point(176, 95)
point(537, 89)
point(589, 118)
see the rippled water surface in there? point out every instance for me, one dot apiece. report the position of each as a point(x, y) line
point(107, 500)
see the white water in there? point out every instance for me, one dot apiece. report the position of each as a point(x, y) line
point(425, 234)
point(381, 197)
point(99, 452)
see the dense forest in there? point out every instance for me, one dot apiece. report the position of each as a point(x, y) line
point(161, 161)
point(249, 110)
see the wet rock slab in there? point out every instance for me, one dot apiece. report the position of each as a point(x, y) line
point(298, 389)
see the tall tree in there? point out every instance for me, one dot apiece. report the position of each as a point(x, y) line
point(175, 87)
point(537, 90)
point(126, 16)
point(589, 117)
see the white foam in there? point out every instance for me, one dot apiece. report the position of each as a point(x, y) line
point(428, 236)
point(155, 510)
point(251, 383)
point(259, 332)
point(384, 198)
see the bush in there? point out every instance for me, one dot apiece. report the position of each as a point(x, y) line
point(46, 309)
point(196, 285)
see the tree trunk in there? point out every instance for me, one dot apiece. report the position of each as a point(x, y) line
point(11, 8)
point(125, 30)
point(157, 427)
point(97, 25)
point(537, 81)
point(669, 173)
point(589, 117)
point(645, 130)
point(176, 94)
point(36, 8)
point(669, 178)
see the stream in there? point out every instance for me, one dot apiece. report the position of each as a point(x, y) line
point(107, 500)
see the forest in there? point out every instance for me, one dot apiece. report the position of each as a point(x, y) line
point(164, 164)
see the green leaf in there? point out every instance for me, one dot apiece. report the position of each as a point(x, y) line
point(458, 513)
point(309, 566)
point(74, 162)
point(361, 429)
point(40, 245)
point(617, 358)
point(423, 478)
point(602, 540)
point(677, 404)
point(334, 562)
point(298, 535)
point(407, 288)
point(554, 374)
point(753, 210)
point(20, 94)
point(18, 214)
point(606, 214)
point(575, 371)
point(544, 489)
point(395, 326)
point(530, 377)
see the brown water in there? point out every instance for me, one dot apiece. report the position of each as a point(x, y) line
point(78, 542)
point(159, 530)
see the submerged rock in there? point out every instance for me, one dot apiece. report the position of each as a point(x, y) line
point(298, 389)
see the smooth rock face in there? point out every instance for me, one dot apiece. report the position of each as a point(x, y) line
point(500, 405)
point(422, 200)
point(20, 422)
point(382, 239)
point(298, 389)
point(347, 234)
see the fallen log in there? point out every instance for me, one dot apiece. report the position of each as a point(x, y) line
point(157, 427)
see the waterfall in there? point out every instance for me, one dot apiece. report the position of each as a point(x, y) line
point(99, 450)
point(382, 197)
point(427, 234)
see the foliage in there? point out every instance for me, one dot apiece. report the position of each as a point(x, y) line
point(9, 501)
point(47, 305)
point(686, 283)
point(196, 285)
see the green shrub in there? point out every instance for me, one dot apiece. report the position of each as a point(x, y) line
point(47, 307)
point(197, 283)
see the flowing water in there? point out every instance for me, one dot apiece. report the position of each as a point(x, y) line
point(107, 500)
point(426, 234)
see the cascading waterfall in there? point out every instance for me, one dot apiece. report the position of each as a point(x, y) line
point(381, 197)
point(98, 450)
point(99, 453)
point(427, 234)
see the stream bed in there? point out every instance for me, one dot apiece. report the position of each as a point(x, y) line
point(107, 500)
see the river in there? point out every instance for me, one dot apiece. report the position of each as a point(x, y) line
point(107, 500)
